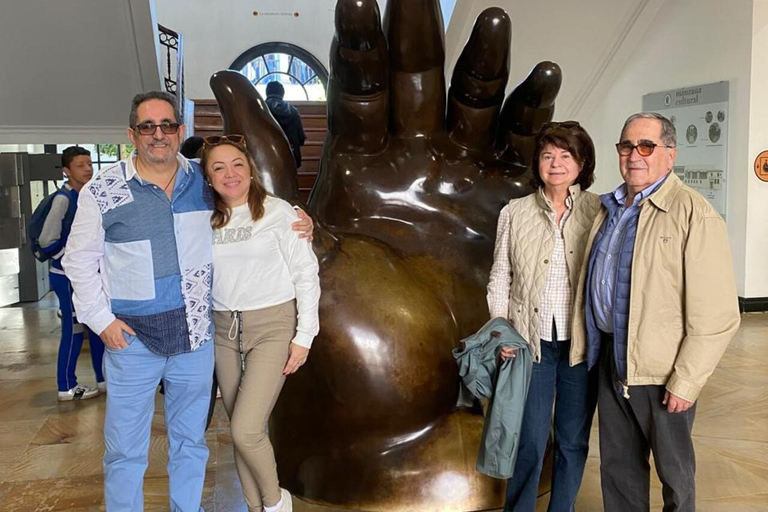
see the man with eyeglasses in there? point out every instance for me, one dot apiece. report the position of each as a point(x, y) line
point(139, 258)
point(660, 307)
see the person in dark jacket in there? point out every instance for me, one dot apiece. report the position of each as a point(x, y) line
point(191, 147)
point(287, 117)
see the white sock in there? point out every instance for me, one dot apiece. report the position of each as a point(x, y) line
point(276, 507)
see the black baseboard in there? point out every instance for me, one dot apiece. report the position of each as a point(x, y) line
point(753, 305)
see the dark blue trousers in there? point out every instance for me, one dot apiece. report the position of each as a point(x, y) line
point(573, 392)
point(72, 337)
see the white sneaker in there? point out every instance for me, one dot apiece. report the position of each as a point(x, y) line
point(284, 505)
point(78, 392)
point(101, 386)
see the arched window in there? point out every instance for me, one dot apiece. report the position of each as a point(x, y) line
point(303, 76)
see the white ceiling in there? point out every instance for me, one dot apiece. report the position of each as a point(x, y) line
point(69, 68)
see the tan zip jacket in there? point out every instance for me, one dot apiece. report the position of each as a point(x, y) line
point(683, 308)
point(524, 244)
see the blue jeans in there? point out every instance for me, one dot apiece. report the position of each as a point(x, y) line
point(573, 390)
point(71, 341)
point(132, 376)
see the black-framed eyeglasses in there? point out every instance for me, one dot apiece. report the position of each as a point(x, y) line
point(166, 127)
point(643, 148)
point(215, 140)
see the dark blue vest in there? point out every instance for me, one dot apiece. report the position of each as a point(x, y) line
point(621, 290)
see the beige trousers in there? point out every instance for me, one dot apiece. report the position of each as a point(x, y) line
point(249, 396)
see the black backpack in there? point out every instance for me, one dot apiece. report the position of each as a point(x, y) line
point(37, 221)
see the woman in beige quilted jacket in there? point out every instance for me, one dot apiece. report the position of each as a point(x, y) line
point(540, 246)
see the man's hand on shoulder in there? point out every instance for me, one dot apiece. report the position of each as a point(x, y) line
point(675, 403)
point(304, 225)
point(113, 336)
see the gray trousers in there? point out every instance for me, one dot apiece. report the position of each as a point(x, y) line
point(630, 429)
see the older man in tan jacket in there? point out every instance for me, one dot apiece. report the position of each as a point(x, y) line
point(660, 307)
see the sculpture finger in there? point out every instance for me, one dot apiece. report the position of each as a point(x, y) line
point(529, 106)
point(245, 112)
point(416, 56)
point(479, 81)
point(358, 95)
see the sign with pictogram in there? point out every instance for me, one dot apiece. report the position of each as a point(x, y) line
point(761, 166)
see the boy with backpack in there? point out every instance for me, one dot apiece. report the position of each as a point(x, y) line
point(53, 233)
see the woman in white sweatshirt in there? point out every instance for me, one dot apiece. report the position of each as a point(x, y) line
point(266, 291)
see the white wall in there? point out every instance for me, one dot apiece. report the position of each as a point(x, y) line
point(585, 38)
point(690, 42)
point(214, 36)
point(756, 284)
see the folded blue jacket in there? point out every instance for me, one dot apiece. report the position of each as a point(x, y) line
point(505, 384)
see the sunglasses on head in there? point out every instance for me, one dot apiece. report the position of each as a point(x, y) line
point(568, 125)
point(166, 127)
point(215, 140)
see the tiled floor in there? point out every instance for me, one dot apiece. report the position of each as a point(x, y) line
point(50, 452)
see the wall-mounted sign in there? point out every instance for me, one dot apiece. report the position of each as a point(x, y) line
point(761, 166)
point(700, 116)
point(293, 14)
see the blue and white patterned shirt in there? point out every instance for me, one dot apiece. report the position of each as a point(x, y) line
point(134, 255)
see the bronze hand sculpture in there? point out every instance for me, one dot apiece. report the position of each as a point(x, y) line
point(406, 203)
